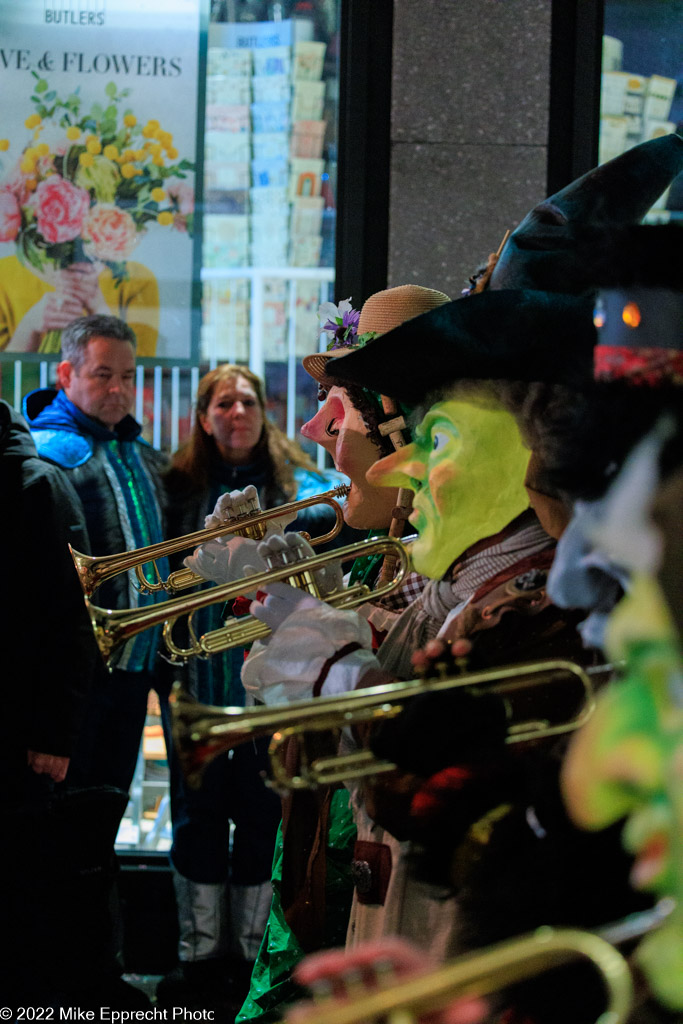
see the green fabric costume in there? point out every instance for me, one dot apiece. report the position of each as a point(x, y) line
point(272, 988)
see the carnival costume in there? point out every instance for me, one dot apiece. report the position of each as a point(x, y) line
point(312, 870)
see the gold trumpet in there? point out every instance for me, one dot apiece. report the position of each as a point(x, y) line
point(202, 732)
point(113, 628)
point(486, 971)
point(94, 570)
point(404, 1001)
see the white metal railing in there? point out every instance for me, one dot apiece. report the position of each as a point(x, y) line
point(164, 396)
point(165, 393)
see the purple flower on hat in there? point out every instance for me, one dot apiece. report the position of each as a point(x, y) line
point(340, 322)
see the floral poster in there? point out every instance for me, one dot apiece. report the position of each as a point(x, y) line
point(98, 139)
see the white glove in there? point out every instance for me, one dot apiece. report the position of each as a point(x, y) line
point(288, 667)
point(289, 549)
point(229, 558)
point(281, 601)
point(244, 503)
point(225, 562)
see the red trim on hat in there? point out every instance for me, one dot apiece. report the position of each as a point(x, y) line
point(648, 366)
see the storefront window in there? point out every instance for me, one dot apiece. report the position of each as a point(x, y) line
point(269, 191)
point(642, 84)
point(268, 229)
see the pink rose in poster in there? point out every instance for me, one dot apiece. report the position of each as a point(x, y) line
point(110, 233)
point(10, 216)
point(61, 209)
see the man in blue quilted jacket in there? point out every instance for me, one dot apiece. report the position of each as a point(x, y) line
point(86, 429)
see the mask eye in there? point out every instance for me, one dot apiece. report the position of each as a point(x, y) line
point(331, 430)
point(439, 440)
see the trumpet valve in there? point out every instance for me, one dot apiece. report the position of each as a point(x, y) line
point(256, 531)
point(243, 506)
point(302, 580)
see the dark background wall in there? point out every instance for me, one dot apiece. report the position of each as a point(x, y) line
point(469, 132)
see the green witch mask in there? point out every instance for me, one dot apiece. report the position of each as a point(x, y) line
point(627, 763)
point(466, 467)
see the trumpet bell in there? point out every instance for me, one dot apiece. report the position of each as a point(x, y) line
point(115, 627)
point(95, 570)
point(202, 731)
point(199, 737)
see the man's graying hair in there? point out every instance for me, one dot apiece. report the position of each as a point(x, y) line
point(76, 336)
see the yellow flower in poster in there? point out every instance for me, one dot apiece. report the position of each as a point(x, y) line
point(100, 176)
point(72, 199)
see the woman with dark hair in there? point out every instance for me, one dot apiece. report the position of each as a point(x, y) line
point(223, 887)
point(232, 438)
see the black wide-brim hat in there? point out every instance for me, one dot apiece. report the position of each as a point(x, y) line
point(542, 251)
point(501, 335)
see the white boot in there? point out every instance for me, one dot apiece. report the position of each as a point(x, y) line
point(203, 919)
point(249, 909)
point(201, 978)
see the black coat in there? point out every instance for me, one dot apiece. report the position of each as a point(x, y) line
point(48, 647)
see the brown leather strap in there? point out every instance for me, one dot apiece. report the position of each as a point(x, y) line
point(337, 656)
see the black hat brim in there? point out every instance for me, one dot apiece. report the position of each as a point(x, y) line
point(504, 335)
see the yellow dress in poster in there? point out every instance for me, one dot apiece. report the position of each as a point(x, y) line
point(135, 300)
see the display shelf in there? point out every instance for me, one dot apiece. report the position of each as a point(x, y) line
point(146, 824)
point(641, 94)
point(269, 177)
